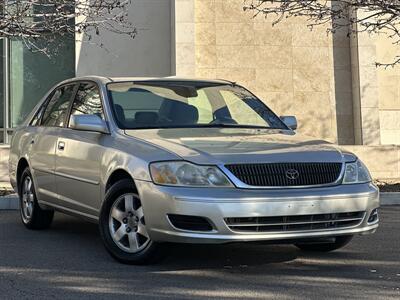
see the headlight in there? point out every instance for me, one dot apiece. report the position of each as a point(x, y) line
point(181, 173)
point(356, 172)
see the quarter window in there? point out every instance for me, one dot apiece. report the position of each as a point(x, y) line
point(87, 101)
point(36, 119)
point(56, 110)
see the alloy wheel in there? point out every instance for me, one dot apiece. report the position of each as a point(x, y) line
point(28, 198)
point(127, 225)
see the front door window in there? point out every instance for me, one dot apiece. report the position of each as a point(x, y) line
point(56, 110)
point(87, 101)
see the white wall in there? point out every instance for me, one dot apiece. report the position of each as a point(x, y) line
point(149, 54)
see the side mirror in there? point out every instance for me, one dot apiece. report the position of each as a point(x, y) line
point(290, 121)
point(88, 123)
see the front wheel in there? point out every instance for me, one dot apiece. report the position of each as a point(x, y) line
point(123, 227)
point(340, 241)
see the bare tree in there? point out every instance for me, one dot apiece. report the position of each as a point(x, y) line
point(40, 22)
point(371, 16)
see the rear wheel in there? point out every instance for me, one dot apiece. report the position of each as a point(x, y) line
point(32, 215)
point(340, 241)
point(123, 226)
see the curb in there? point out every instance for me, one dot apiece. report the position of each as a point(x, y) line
point(11, 202)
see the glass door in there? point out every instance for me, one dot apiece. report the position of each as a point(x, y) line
point(2, 87)
point(32, 74)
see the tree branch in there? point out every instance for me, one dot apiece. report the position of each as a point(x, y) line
point(30, 20)
point(370, 16)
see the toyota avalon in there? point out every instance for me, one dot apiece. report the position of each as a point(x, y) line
point(159, 160)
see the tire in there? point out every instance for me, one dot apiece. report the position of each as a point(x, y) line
point(340, 241)
point(32, 216)
point(122, 226)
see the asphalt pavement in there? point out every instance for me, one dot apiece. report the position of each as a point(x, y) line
point(68, 261)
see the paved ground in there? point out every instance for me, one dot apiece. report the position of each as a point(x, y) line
point(68, 261)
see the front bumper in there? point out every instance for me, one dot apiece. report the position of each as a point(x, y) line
point(216, 204)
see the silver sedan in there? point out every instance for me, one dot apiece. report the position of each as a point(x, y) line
point(158, 160)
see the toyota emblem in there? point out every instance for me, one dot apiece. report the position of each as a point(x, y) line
point(292, 174)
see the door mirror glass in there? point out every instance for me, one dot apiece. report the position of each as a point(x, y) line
point(88, 123)
point(290, 121)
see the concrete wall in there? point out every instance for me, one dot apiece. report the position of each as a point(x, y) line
point(382, 161)
point(184, 47)
point(388, 91)
point(330, 82)
point(365, 89)
point(149, 54)
point(294, 70)
point(376, 90)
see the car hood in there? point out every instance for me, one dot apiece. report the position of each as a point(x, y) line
point(236, 145)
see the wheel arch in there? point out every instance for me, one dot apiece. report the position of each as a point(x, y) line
point(22, 165)
point(117, 175)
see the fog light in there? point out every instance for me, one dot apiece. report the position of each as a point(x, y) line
point(373, 217)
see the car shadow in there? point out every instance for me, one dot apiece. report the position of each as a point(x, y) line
point(178, 256)
point(69, 258)
point(83, 239)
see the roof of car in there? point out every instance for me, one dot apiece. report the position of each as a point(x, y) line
point(106, 80)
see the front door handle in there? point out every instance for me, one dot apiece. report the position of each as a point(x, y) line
point(61, 145)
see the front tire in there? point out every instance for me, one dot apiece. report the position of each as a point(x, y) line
point(340, 242)
point(123, 228)
point(32, 216)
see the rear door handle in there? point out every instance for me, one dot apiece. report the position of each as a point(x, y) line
point(61, 145)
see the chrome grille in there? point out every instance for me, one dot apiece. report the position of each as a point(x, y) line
point(275, 174)
point(295, 222)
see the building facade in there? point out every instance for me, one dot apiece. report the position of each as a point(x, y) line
point(26, 76)
point(329, 82)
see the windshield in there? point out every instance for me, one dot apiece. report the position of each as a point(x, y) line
point(173, 104)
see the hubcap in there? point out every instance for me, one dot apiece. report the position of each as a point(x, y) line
point(127, 225)
point(27, 198)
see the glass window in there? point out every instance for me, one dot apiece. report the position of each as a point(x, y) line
point(240, 111)
point(173, 104)
point(56, 110)
point(137, 99)
point(32, 73)
point(87, 101)
point(2, 60)
point(38, 117)
point(203, 106)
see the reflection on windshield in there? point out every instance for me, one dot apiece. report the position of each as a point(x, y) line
point(173, 104)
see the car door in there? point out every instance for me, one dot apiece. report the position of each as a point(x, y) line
point(43, 142)
point(78, 157)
